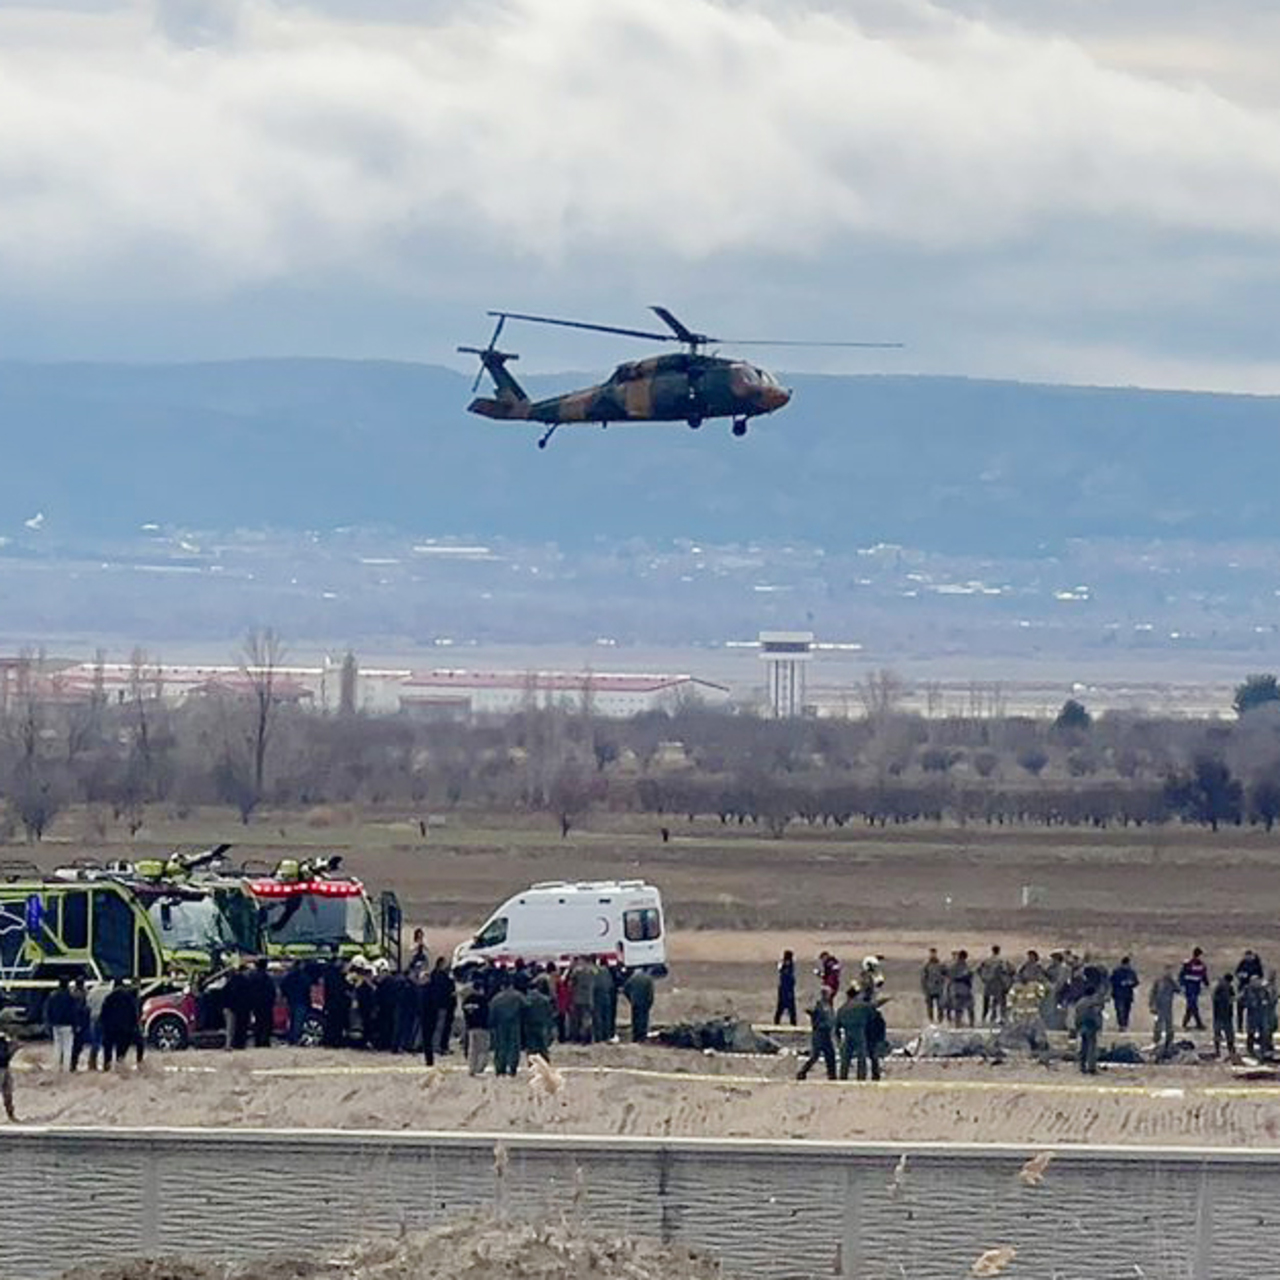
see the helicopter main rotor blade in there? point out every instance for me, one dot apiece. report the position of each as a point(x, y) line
point(582, 324)
point(679, 328)
point(792, 342)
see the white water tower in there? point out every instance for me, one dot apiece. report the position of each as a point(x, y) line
point(786, 655)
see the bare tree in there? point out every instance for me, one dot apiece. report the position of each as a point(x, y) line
point(349, 682)
point(881, 694)
point(262, 657)
point(35, 792)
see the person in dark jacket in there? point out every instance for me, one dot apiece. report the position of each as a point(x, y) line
point(295, 987)
point(1250, 967)
point(441, 997)
point(419, 958)
point(822, 1022)
point(120, 1031)
point(261, 992)
point(7, 1050)
point(429, 1017)
point(237, 1003)
point(384, 1008)
point(1224, 1015)
point(404, 1014)
point(638, 989)
point(448, 1009)
point(1088, 1023)
point(337, 1004)
point(1193, 977)
point(475, 1021)
point(366, 998)
point(61, 1015)
point(1124, 982)
point(786, 1002)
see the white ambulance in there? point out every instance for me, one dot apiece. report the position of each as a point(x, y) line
point(618, 922)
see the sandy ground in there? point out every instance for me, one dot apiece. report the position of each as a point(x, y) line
point(649, 1090)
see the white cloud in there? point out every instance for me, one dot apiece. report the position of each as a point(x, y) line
point(200, 147)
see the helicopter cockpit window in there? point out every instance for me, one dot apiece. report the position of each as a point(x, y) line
point(767, 378)
point(626, 373)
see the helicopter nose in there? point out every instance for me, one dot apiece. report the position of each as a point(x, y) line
point(774, 398)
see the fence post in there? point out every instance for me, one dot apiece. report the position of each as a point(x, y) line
point(1202, 1265)
point(150, 1241)
point(850, 1259)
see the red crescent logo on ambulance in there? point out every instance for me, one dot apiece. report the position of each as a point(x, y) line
point(604, 925)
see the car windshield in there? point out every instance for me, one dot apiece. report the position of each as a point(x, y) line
point(191, 924)
point(309, 918)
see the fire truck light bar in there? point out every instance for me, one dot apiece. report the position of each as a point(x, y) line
point(293, 888)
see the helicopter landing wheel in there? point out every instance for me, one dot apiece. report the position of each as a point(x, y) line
point(739, 426)
point(695, 422)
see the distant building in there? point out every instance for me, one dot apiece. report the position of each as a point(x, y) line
point(441, 694)
point(462, 695)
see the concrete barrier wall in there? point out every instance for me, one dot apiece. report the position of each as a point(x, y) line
point(775, 1210)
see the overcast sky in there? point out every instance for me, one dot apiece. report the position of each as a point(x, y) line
point(1063, 190)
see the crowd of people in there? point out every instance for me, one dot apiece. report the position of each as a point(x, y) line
point(839, 1037)
point(1066, 991)
point(497, 1015)
point(505, 1013)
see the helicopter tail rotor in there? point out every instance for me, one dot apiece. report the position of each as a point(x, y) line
point(510, 401)
point(489, 350)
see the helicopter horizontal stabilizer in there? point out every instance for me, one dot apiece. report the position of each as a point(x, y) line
point(509, 409)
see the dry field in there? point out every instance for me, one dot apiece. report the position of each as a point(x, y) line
point(736, 897)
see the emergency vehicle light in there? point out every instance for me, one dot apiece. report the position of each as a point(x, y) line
point(293, 888)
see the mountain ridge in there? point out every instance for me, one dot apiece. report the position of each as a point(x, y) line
point(936, 461)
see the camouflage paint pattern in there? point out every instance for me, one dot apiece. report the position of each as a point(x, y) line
point(666, 388)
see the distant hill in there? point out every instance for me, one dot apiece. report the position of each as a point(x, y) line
point(943, 463)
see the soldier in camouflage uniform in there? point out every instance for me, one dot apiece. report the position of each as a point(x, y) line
point(933, 982)
point(822, 1043)
point(1160, 1002)
point(996, 974)
point(1088, 1025)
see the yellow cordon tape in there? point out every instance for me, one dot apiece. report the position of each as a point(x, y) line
point(1175, 1093)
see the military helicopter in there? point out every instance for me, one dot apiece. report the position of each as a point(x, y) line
point(690, 386)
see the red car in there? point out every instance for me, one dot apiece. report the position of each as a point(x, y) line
point(174, 1017)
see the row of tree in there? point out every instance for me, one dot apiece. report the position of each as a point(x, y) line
point(246, 743)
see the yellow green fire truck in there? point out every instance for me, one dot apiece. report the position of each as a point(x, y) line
point(308, 910)
point(98, 930)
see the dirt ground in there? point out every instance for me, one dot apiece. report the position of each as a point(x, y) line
point(479, 1248)
point(649, 1090)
